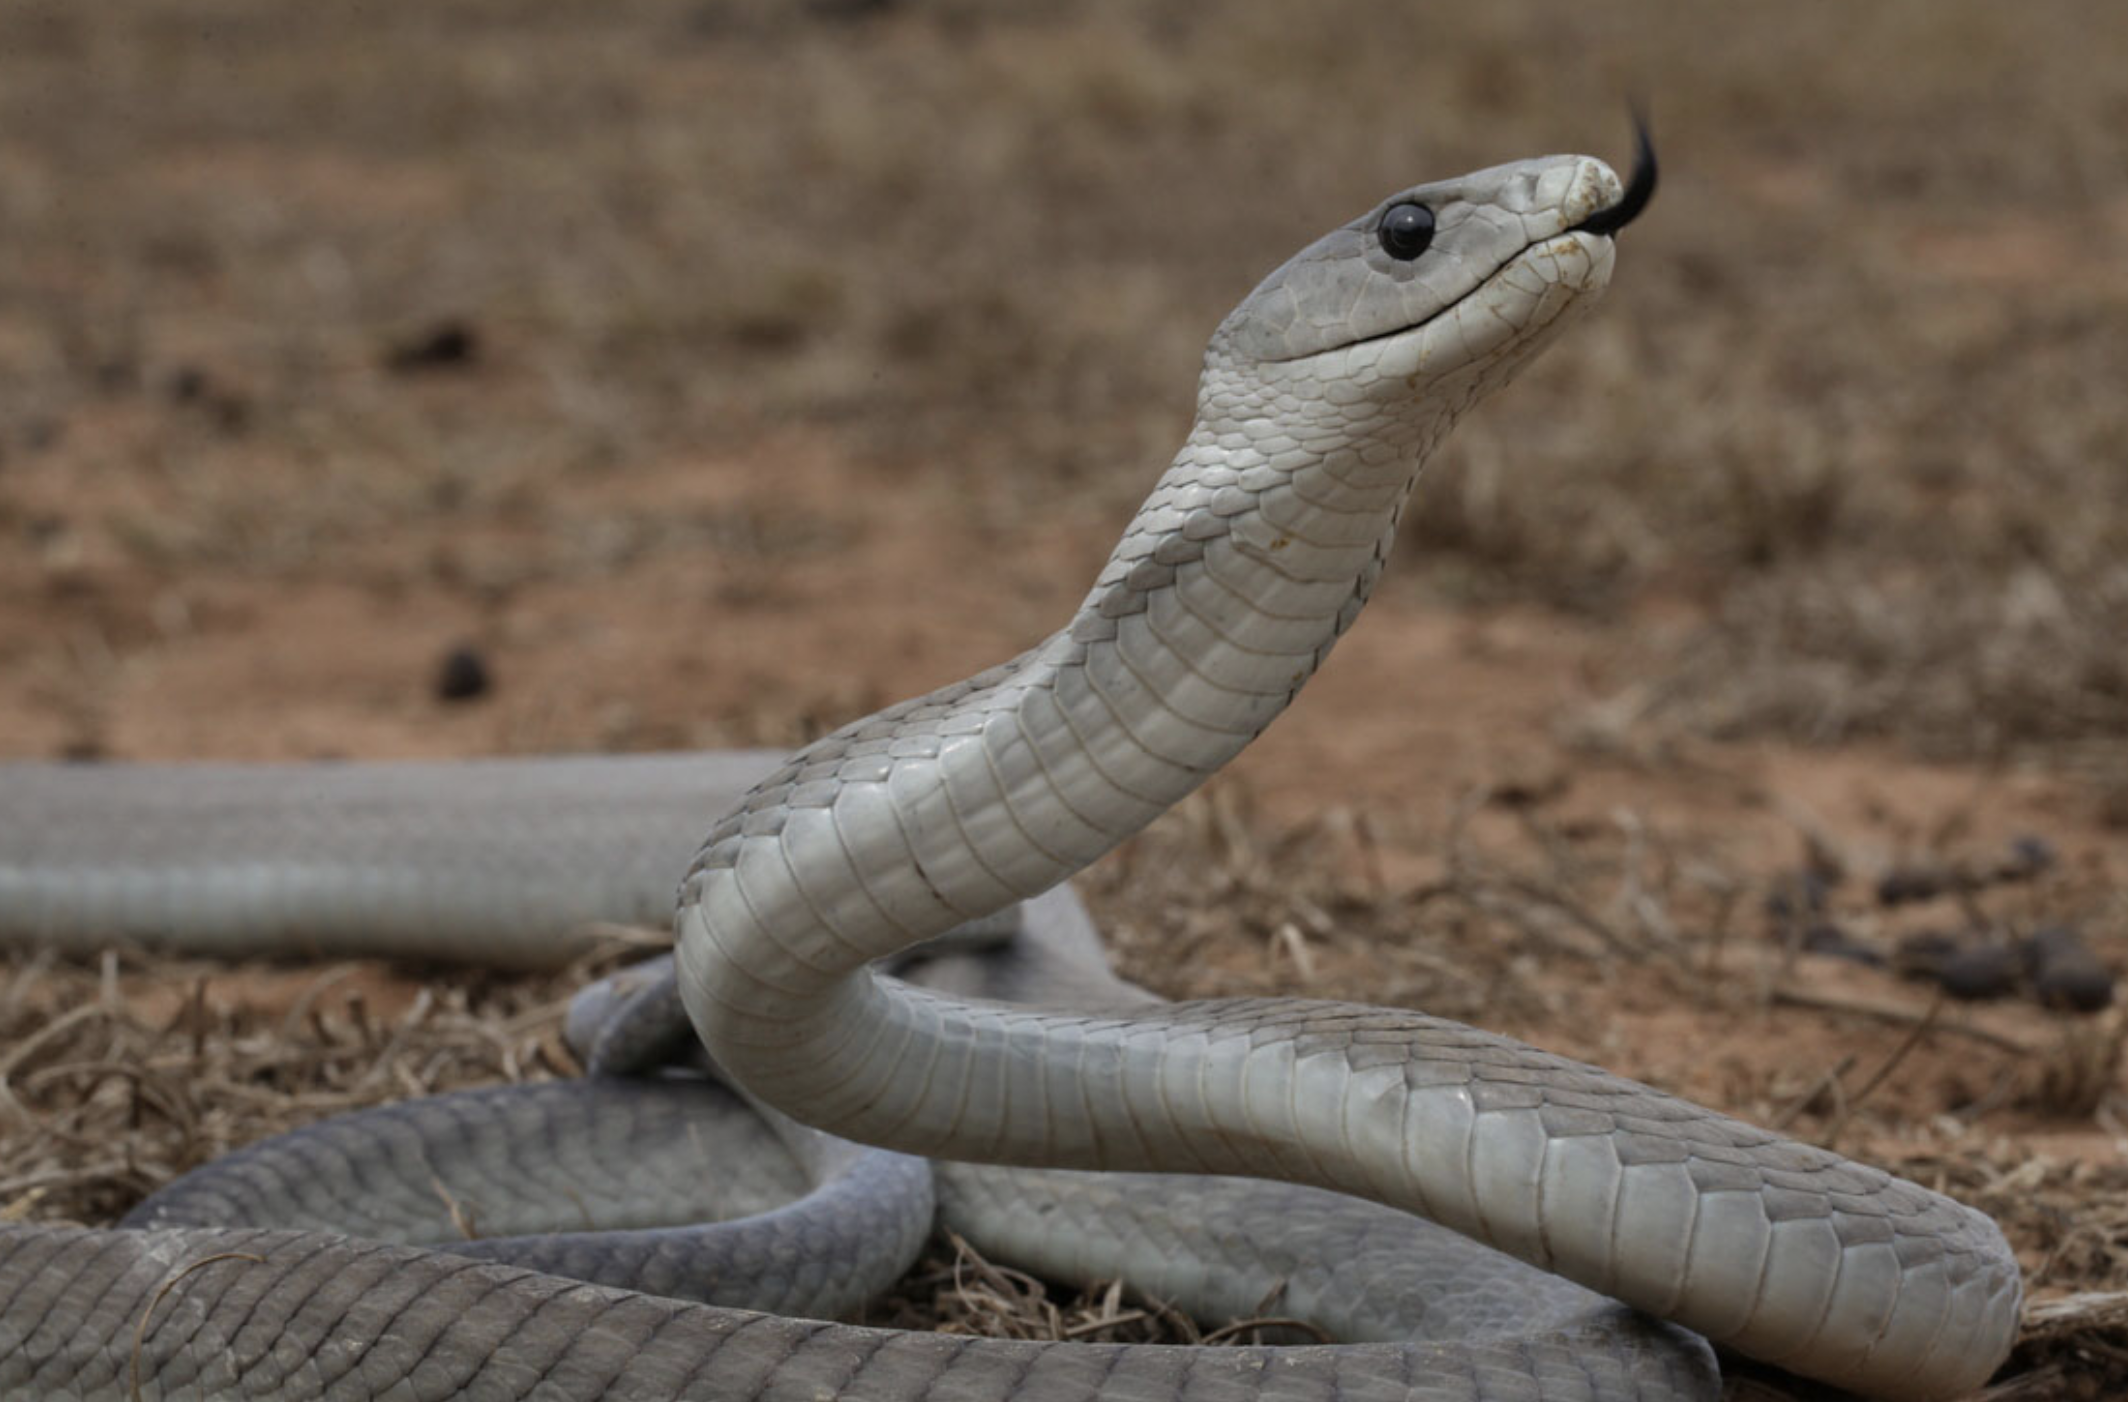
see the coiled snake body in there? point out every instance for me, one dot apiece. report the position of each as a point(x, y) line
point(1321, 394)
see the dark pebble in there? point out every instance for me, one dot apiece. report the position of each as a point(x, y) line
point(43, 432)
point(1981, 971)
point(189, 384)
point(446, 345)
point(2065, 973)
point(1917, 883)
point(1797, 895)
point(1824, 937)
point(1924, 951)
point(2029, 856)
point(115, 375)
point(462, 676)
point(230, 409)
point(847, 11)
point(231, 412)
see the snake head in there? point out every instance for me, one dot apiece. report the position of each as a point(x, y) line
point(1436, 286)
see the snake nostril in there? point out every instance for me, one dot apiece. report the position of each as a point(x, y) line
point(1640, 189)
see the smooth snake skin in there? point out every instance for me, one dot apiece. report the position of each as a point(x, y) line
point(1321, 394)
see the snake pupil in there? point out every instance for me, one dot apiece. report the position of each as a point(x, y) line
point(1405, 231)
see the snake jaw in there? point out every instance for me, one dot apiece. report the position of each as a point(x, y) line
point(1489, 335)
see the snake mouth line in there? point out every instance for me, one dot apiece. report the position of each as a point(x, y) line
point(1408, 328)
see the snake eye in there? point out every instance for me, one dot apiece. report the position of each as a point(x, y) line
point(1405, 231)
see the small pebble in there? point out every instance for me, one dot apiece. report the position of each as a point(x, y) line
point(2065, 973)
point(189, 384)
point(2029, 856)
point(230, 409)
point(1824, 937)
point(848, 11)
point(1981, 971)
point(445, 345)
point(462, 676)
point(115, 375)
point(1913, 883)
point(1924, 950)
point(42, 432)
point(1527, 788)
point(1797, 894)
point(1966, 964)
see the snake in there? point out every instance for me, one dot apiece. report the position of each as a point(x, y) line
point(1320, 397)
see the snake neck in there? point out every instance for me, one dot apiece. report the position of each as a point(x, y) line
point(1253, 553)
point(1256, 549)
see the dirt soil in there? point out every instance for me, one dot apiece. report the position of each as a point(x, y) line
point(719, 372)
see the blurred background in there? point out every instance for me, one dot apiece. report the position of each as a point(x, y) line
point(358, 296)
point(509, 377)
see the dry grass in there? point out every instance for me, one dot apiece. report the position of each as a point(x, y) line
point(955, 1290)
point(118, 1078)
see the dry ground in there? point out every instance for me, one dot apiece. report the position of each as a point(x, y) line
point(721, 370)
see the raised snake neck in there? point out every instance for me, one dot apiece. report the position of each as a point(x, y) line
point(1320, 395)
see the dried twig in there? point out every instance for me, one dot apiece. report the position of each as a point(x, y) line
point(1897, 1013)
